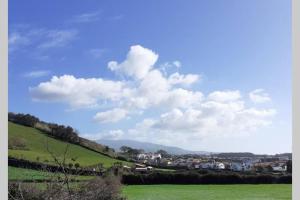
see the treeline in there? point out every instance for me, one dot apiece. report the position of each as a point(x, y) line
point(65, 133)
point(61, 132)
point(23, 119)
point(234, 154)
point(197, 178)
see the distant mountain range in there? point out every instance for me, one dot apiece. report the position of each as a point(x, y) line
point(148, 147)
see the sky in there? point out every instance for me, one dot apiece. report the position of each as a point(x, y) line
point(200, 75)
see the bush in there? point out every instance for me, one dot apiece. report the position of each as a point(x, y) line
point(77, 165)
point(24, 191)
point(17, 144)
point(106, 188)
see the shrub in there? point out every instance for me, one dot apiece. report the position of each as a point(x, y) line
point(17, 144)
point(77, 165)
point(106, 188)
point(70, 165)
point(24, 191)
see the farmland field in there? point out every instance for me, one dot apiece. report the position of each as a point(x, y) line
point(209, 192)
point(35, 148)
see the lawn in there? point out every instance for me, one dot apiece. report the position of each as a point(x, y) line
point(20, 174)
point(36, 150)
point(208, 192)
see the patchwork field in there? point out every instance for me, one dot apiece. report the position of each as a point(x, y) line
point(209, 192)
point(34, 142)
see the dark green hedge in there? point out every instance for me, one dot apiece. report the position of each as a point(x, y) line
point(196, 178)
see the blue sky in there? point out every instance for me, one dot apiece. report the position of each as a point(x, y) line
point(202, 75)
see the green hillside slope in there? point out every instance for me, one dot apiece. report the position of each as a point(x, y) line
point(30, 144)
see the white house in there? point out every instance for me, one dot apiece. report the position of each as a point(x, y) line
point(279, 167)
point(219, 165)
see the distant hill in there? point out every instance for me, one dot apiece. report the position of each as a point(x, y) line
point(148, 147)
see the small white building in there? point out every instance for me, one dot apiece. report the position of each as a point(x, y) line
point(143, 169)
point(219, 165)
point(279, 167)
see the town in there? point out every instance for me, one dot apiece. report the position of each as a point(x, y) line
point(236, 162)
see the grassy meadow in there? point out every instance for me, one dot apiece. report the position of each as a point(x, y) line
point(209, 192)
point(35, 148)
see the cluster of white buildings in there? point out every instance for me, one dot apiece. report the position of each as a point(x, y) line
point(238, 165)
point(149, 158)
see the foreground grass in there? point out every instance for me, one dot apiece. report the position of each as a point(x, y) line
point(208, 192)
point(20, 174)
point(35, 148)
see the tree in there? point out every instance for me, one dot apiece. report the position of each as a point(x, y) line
point(106, 149)
point(163, 153)
point(77, 165)
point(70, 165)
point(125, 149)
point(289, 166)
point(26, 120)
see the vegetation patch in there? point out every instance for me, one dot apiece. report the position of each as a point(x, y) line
point(16, 143)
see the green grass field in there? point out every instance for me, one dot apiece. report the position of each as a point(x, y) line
point(208, 192)
point(35, 142)
point(20, 174)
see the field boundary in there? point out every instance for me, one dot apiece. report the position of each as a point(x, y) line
point(21, 163)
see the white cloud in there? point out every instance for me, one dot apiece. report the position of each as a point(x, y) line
point(169, 65)
point(86, 17)
point(138, 63)
point(37, 74)
point(223, 96)
point(193, 125)
point(177, 63)
point(16, 40)
point(185, 114)
point(36, 39)
point(185, 80)
point(112, 134)
point(182, 98)
point(259, 96)
point(58, 38)
point(77, 92)
point(113, 115)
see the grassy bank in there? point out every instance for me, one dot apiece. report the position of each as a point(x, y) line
point(34, 148)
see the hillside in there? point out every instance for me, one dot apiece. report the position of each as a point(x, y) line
point(60, 132)
point(148, 147)
point(30, 144)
